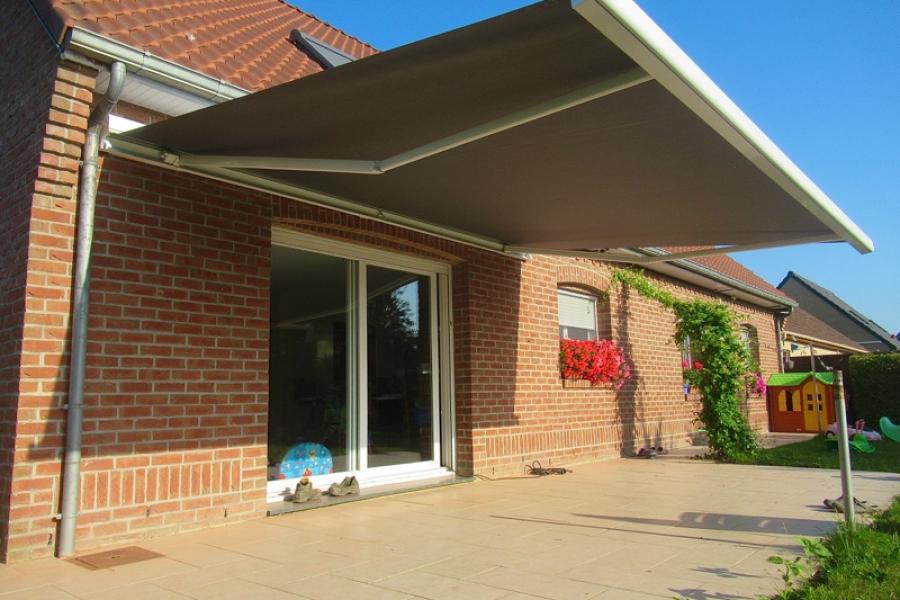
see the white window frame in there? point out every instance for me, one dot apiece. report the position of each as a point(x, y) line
point(562, 291)
point(444, 418)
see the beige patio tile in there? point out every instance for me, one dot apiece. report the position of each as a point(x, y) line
point(196, 578)
point(238, 589)
point(436, 587)
point(44, 592)
point(137, 591)
point(545, 586)
point(635, 580)
point(312, 564)
point(331, 587)
point(462, 567)
point(376, 570)
point(191, 553)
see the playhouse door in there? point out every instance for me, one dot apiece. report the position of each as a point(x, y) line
point(811, 412)
point(785, 408)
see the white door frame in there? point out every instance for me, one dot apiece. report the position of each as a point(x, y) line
point(440, 319)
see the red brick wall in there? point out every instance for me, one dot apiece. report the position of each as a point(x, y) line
point(43, 130)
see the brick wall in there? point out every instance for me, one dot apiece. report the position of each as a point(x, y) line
point(512, 408)
point(43, 131)
point(177, 370)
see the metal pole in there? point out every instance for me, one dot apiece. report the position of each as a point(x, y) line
point(840, 409)
point(70, 494)
point(812, 364)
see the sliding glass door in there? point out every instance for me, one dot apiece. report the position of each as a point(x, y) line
point(355, 359)
point(400, 375)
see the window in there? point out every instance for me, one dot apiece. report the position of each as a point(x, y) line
point(577, 316)
point(687, 354)
point(750, 340)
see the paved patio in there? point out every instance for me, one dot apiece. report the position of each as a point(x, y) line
point(622, 529)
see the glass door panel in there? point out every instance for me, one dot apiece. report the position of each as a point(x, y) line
point(312, 364)
point(399, 373)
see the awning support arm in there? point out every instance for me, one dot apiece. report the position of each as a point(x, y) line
point(606, 87)
point(624, 255)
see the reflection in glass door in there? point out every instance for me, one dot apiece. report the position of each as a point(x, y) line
point(311, 364)
point(399, 372)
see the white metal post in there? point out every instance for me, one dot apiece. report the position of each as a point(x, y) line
point(840, 409)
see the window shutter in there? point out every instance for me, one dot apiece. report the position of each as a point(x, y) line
point(577, 311)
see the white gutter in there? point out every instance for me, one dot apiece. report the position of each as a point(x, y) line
point(629, 27)
point(107, 50)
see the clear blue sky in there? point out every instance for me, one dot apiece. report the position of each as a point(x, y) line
point(820, 77)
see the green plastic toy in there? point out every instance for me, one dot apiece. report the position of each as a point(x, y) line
point(889, 430)
point(858, 442)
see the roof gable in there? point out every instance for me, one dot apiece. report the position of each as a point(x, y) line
point(245, 42)
point(850, 312)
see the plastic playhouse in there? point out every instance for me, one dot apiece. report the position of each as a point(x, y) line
point(800, 402)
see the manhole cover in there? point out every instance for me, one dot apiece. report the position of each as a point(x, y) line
point(114, 558)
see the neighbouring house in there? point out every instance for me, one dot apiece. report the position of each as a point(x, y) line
point(370, 256)
point(825, 305)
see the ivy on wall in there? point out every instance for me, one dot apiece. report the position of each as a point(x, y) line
point(726, 362)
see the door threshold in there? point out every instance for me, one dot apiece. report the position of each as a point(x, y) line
point(282, 507)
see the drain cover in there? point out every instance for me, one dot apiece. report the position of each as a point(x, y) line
point(114, 558)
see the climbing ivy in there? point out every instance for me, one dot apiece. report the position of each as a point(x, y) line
point(711, 328)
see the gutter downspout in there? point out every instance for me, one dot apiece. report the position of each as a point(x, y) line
point(87, 196)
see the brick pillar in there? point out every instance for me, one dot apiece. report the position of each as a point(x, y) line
point(42, 376)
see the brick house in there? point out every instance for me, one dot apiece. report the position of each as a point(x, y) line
point(232, 318)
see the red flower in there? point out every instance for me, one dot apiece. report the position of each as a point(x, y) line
point(698, 365)
point(601, 362)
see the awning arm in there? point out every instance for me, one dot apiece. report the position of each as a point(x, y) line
point(645, 256)
point(610, 85)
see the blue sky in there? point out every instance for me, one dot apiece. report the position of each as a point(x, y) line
point(820, 77)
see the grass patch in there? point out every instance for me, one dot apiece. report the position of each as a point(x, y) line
point(864, 565)
point(814, 453)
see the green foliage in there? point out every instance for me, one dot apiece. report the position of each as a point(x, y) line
point(636, 280)
point(863, 564)
point(814, 552)
point(711, 329)
point(816, 453)
point(876, 386)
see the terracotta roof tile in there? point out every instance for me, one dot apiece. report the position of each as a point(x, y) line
point(724, 264)
point(245, 42)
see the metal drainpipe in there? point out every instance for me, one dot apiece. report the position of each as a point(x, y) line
point(87, 196)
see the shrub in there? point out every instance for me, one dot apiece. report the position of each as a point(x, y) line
point(876, 386)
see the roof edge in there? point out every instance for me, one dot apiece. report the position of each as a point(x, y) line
point(107, 50)
point(796, 337)
point(629, 27)
point(714, 275)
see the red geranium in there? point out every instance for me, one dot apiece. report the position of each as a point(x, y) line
point(601, 362)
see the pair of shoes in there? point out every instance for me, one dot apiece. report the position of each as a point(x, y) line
point(861, 506)
point(347, 487)
point(305, 492)
point(647, 453)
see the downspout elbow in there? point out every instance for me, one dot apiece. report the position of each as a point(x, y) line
point(87, 195)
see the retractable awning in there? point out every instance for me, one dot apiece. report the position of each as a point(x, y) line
point(571, 127)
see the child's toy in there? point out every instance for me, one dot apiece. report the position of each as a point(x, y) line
point(306, 459)
point(858, 427)
point(890, 431)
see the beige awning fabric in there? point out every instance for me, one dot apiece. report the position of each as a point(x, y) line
point(556, 127)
